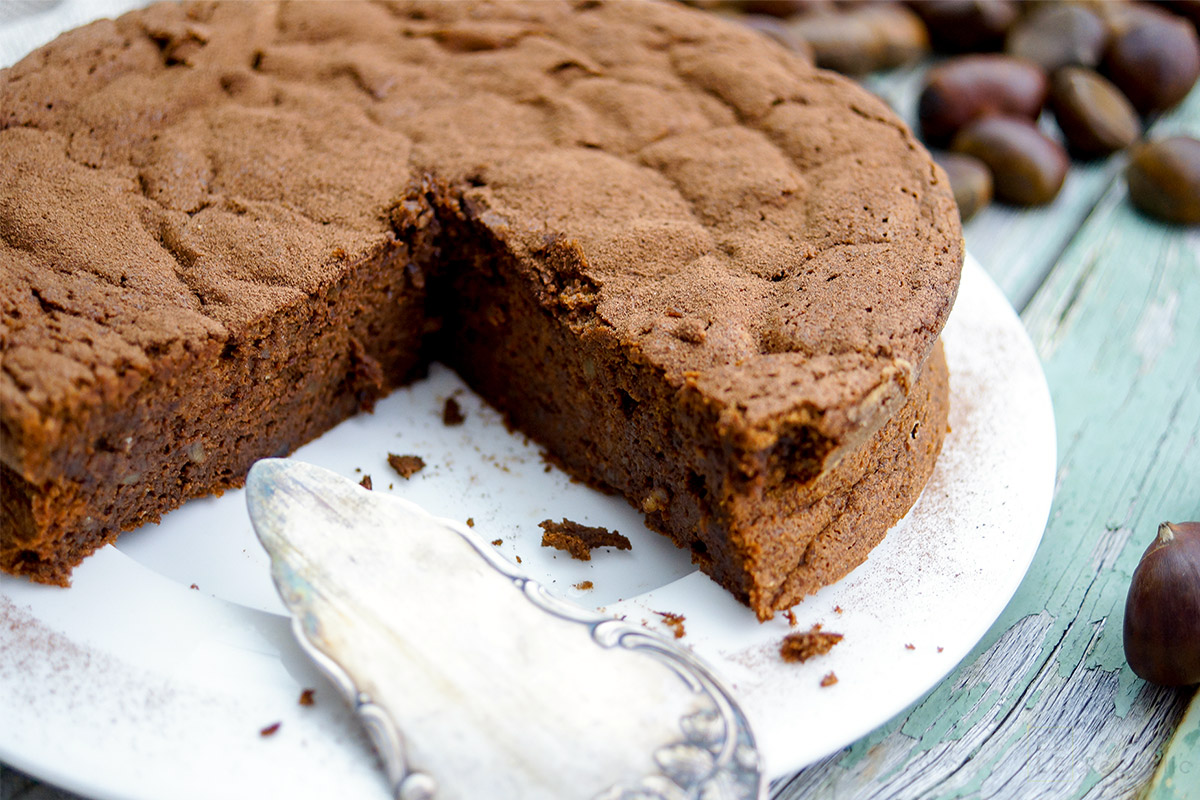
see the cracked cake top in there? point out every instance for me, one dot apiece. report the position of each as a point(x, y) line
point(764, 232)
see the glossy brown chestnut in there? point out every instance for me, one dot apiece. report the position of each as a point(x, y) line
point(968, 26)
point(863, 39)
point(1028, 167)
point(778, 8)
point(1162, 611)
point(904, 36)
point(1155, 61)
point(841, 42)
point(1093, 115)
point(1164, 179)
point(780, 32)
point(1189, 9)
point(970, 180)
point(1059, 35)
point(965, 88)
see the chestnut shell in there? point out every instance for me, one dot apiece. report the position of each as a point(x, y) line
point(1162, 611)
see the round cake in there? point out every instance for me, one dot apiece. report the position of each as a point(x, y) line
point(700, 271)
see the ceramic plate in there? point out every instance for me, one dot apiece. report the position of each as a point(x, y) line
point(155, 674)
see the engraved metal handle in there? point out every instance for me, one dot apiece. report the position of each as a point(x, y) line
point(555, 701)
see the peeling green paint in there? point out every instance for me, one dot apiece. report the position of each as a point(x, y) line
point(1089, 782)
point(1178, 774)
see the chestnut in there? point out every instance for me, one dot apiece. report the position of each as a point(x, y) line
point(1155, 61)
point(968, 26)
point(1164, 179)
point(1162, 612)
point(970, 180)
point(1028, 167)
point(963, 89)
point(1093, 115)
point(1059, 35)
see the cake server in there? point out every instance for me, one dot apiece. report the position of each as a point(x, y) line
point(471, 680)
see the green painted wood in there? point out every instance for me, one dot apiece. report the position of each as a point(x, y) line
point(1045, 705)
point(1178, 774)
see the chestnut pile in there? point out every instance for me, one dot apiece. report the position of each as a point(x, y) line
point(1101, 68)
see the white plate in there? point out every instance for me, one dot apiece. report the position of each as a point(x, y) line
point(133, 685)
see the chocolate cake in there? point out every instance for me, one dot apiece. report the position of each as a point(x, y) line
point(700, 271)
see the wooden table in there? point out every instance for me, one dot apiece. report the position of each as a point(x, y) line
point(1045, 705)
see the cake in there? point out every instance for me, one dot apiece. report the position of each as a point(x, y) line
point(580, 540)
point(701, 272)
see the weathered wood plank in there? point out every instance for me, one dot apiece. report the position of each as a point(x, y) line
point(1046, 703)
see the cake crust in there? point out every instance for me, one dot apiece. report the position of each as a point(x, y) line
point(762, 239)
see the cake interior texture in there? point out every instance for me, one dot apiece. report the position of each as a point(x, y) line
point(702, 273)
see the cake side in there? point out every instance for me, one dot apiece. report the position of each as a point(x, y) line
point(611, 418)
point(198, 421)
point(799, 540)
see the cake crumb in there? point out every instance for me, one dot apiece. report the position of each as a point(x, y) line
point(518, 559)
point(306, 697)
point(580, 540)
point(829, 680)
point(584, 586)
point(800, 647)
point(674, 622)
point(406, 466)
point(497, 542)
point(837, 609)
point(790, 616)
point(366, 482)
point(910, 646)
point(452, 413)
point(940, 649)
point(270, 729)
point(194, 586)
point(470, 522)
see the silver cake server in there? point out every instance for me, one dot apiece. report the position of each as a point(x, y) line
point(473, 681)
